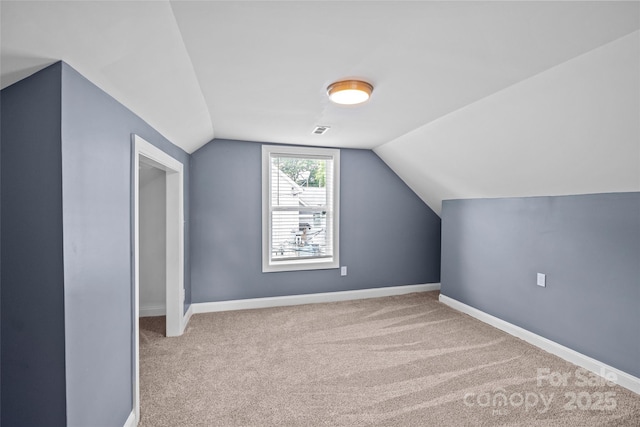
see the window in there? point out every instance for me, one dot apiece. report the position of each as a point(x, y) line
point(300, 212)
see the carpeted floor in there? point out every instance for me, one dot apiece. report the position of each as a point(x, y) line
point(396, 361)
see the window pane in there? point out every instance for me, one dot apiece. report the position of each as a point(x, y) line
point(300, 234)
point(297, 181)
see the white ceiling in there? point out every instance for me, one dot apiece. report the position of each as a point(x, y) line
point(258, 70)
point(573, 129)
point(472, 99)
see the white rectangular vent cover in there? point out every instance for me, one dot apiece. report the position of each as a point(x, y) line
point(319, 130)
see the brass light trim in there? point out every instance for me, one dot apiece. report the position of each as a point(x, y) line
point(349, 92)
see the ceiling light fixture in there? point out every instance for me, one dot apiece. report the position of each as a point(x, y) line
point(349, 92)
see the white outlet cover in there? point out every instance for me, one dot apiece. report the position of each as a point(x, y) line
point(542, 280)
point(343, 270)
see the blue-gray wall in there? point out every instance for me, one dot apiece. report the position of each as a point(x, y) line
point(589, 247)
point(388, 236)
point(67, 215)
point(98, 214)
point(33, 359)
point(0, 255)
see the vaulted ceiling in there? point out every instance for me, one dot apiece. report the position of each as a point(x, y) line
point(258, 70)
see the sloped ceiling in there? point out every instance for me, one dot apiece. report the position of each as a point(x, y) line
point(245, 70)
point(132, 50)
point(573, 129)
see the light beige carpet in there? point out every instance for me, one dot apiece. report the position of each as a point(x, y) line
point(396, 361)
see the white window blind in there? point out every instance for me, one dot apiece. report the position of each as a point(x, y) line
point(300, 223)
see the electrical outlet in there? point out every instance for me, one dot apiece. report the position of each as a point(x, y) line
point(542, 280)
point(343, 270)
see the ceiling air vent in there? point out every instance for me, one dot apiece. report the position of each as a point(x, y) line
point(320, 130)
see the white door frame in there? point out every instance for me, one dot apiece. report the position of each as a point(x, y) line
point(146, 153)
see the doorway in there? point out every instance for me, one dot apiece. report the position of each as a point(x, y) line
point(152, 234)
point(170, 171)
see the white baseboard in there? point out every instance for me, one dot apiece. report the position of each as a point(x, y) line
point(153, 311)
point(622, 378)
point(131, 420)
point(244, 304)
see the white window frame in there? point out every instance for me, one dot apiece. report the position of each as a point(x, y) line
point(269, 265)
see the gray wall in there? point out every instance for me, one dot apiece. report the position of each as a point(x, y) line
point(98, 269)
point(0, 255)
point(67, 197)
point(388, 235)
point(153, 236)
point(589, 247)
point(33, 339)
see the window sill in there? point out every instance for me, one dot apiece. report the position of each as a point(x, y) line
point(302, 265)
